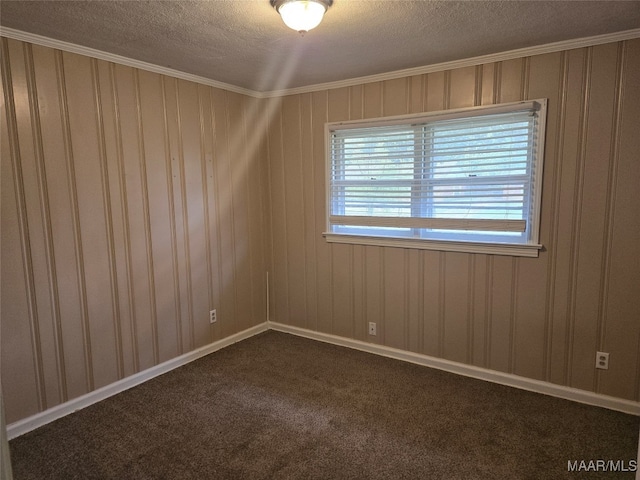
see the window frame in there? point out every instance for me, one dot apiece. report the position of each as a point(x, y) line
point(530, 248)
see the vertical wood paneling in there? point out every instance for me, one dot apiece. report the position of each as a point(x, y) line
point(295, 206)
point(131, 205)
point(611, 183)
point(34, 217)
point(226, 210)
point(134, 203)
point(356, 102)
point(372, 99)
point(395, 97)
point(416, 93)
point(431, 305)
point(533, 338)
point(241, 229)
point(147, 328)
point(435, 92)
point(339, 274)
point(279, 276)
point(19, 327)
point(56, 383)
point(488, 78)
point(359, 291)
point(338, 104)
point(594, 183)
point(488, 309)
point(511, 80)
point(471, 265)
point(455, 285)
point(478, 304)
point(134, 215)
point(176, 246)
point(414, 335)
point(555, 333)
point(501, 325)
point(118, 197)
point(577, 326)
point(209, 204)
point(442, 305)
point(342, 290)
point(561, 326)
point(84, 137)
point(621, 329)
point(500, 318)
point(253, 119)
point(462, 88)
point(265, 242)
point(193, 217)
point(85, 338)
point(154, 107)
point(221, 209)
point(374, 302)
point(18, 336)
point(395, 315)
point(101, 88)
point(62, 221)
point(311, 234)
point(529, 353)
point(320, 112)
point(530, 335)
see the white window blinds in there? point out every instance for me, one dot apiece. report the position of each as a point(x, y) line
point(467, 175)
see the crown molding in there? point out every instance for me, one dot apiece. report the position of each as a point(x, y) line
point(408, 72)
point(467, 62)
point(119, 59)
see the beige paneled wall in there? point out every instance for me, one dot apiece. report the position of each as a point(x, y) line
point(132, 204)
point(543, 318)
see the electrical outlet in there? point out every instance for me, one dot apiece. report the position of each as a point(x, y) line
point(213, 318)
point(372, 328)
point(602, 360)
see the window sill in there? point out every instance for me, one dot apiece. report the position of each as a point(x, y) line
point(510, 249)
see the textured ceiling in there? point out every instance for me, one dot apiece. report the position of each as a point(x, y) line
point(244, 42)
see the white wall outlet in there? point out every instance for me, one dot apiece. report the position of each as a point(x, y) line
point(372, 328)
point(213, 318)
point(602, 360)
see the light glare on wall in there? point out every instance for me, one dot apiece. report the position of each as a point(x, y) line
point(301, 15)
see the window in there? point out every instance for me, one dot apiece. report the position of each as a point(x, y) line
point(462, 180)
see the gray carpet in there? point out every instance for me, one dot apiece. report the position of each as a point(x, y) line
point(277, 406)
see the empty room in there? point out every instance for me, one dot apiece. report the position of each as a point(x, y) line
point(320, 239)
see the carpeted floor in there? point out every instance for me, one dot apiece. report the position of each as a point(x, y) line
point(277, 406)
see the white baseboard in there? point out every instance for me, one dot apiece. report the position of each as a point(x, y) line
point(523, 383)
point(31, 423)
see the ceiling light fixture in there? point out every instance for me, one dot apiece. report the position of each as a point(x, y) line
point(301, 15)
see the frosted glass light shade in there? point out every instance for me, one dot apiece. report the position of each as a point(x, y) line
point(302, 15)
